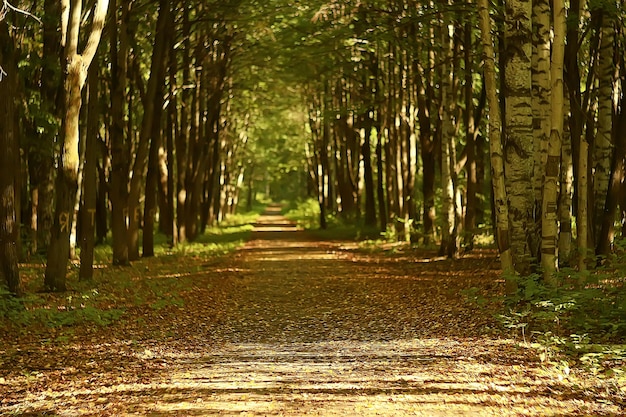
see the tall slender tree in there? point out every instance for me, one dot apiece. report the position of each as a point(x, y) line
point(495, 144)
point(77, 65)
point(9, 226)
point(549, 208)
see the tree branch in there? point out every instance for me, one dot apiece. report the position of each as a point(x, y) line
point(6, 7)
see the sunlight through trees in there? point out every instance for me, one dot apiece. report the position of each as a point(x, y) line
point(384, 111)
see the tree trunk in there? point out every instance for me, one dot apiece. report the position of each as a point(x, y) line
point(380, 183)
point(153, 100)
point(448, 238)
point(120, 152)
point(41, 159)
point(368, 173)
point(172, 137)
point(150, 204)
point(182, 139)
point(163, 190)
point(541, 92)
point(618, 175)
point(566, 192)
point(470, 142)
point(9, 227)
point(67, 174)
point(580, 146)
point(603, 141)
point(549, 208)
point(496, 150)
point(88, 207)
point(518, 150)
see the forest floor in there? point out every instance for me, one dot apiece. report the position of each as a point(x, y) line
point(293, 326)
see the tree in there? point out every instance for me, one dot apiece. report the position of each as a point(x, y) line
point(518, 128)
point(9, 227)
point(119, 47)
point(549, 208)
point(495, 144)
point(77, 65)
point(88, 206)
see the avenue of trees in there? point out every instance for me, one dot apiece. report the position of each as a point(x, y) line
point(435, 121)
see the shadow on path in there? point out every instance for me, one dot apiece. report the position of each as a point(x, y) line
point(311, 328)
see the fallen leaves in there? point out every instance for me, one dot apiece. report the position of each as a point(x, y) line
point(292, 326)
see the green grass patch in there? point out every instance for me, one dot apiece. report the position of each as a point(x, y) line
point(154, 283)
point(306, 214)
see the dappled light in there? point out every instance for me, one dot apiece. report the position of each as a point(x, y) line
point(322, 207)
point(291, 325)
point(399, 377)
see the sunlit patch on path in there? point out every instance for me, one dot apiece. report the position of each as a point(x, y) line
point(302, 327)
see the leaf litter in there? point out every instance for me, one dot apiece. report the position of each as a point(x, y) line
point(291, 326)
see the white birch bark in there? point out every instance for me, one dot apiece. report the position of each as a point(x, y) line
point(519, 143)
point(541, 91)
point(550, 218)
point(603, 140)
point(495, 146)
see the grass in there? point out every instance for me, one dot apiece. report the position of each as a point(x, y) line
point(306, 213)
point(153, 283)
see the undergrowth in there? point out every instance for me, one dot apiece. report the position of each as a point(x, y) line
point(572, 324)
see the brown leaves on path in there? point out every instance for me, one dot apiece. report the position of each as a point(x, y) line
point(294, 326)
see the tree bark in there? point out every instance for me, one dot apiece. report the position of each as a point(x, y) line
point(182, 138)
point(471, 133)
point(120, 152)
point(68, 164)
point(9, 227)
point(368, 173)
point(549, 208)
point(496, 150)
point(41, 158)
point(150, 204)
point(518, 149)
point(566, 192)
point(541, 92)
point(88, 206)
point(603, 141)
point(157, 76)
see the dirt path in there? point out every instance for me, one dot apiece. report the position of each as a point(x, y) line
point(303, 327)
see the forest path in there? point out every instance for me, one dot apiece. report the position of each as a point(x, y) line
point(310, 328)
point(291, 326)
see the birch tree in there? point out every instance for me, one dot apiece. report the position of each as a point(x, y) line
point(603, 143)
point(495, 145)
point(549, 208)
point(518, 146)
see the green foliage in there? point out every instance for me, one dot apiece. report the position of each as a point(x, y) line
point(58, 312)
point(11, 307)
point(305, 213)
point(474, 295)
point(568, 319)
